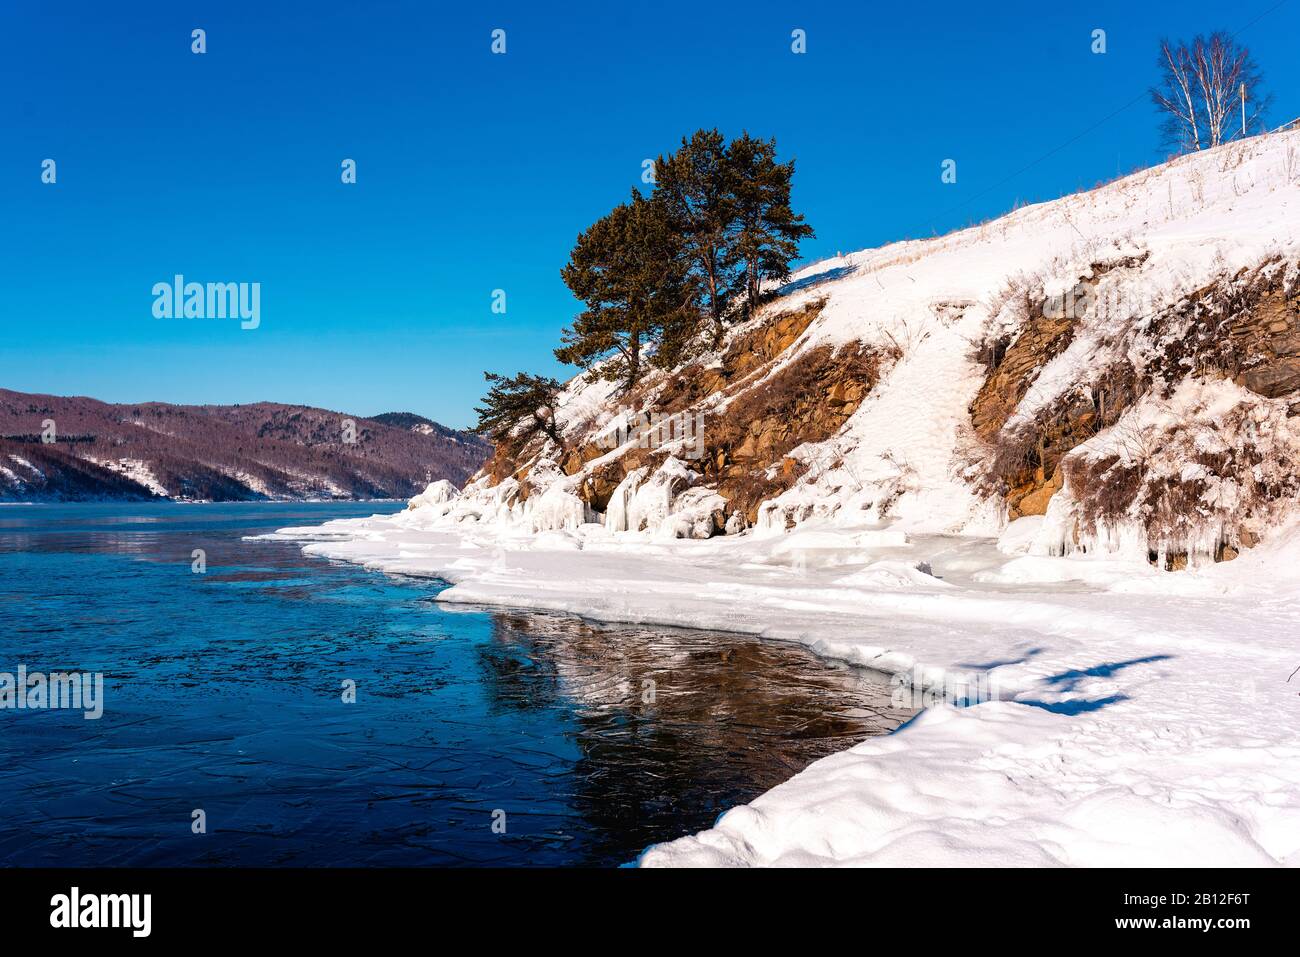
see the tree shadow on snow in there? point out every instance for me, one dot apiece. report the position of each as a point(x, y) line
point(1077, 706)
point(816, 279)
point(990, 665)
point(1068, 681)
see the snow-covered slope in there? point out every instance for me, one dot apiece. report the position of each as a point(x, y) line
point(1189, 223)
point(995, 353)
point(1049, 458)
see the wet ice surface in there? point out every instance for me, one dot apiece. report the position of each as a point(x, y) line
point(223, 693)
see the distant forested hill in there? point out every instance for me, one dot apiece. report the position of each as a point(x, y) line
point(264, 450)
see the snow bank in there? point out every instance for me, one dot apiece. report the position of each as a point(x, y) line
point(663, 503)
point(437, 493)
point(996, 786)
point(1126, 727)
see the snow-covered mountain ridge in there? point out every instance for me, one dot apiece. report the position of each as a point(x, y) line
point(74, 448)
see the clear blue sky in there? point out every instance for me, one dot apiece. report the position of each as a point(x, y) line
point(476, 171)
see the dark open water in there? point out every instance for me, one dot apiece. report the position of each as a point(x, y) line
point(223, 693)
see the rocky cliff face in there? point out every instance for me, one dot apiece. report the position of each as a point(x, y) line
point(1121, 366)
point(1144, 405)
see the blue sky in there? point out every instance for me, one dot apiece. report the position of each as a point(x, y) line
point(475, 171)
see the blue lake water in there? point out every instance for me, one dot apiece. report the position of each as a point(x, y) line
point(223, 693)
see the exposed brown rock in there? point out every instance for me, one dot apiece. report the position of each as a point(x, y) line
point(1245, 327)
point(575, 459)
point(1008, 381)
point(807, 400)
point(748, 352)
point(1034, 500)
point(767, 415)
point(600, 483)
point(1269, 339)
point(1026, 461)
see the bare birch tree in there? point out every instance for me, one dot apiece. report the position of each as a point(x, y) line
point(1210, 92)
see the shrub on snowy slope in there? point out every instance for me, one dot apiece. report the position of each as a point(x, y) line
point(517, 409)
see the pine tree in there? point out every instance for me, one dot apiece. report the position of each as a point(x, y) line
point(695, 185)
point(516, 409)
point(767, 230)
point(630, 270)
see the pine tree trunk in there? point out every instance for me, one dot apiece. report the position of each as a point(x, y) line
point(634, 360)
point(714, 311)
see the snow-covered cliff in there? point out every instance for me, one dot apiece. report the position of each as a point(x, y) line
point(1124, 361)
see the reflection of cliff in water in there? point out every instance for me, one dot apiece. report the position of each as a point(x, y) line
point(460, 713)
point(672, 726)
